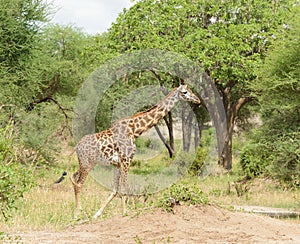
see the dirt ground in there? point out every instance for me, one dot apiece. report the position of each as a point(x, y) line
point(193, 224)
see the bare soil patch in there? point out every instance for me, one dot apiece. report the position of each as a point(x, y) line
point(189, 224)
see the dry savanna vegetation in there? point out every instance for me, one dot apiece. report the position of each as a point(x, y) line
point(236, 151)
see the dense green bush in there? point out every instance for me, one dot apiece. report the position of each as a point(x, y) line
point(276, 156)
point(15, 176)
point(181, 193)
point(254, 160)
point(285, 159)
point(275, 147)
point(197, 164)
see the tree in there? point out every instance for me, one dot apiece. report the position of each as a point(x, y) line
point(274, 149)
point(52, 84)
point(20, 21)
point(229, 38)
point(59, 66)
point(41, 69)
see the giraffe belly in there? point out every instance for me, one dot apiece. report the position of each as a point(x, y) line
point(115, 158)
point(111, 160)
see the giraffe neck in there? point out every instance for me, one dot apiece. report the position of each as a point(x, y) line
point(145, 120)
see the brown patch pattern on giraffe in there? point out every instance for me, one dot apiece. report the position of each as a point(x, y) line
point(116, 146)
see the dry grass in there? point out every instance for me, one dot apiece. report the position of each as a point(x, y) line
point(259, 192)
point(50, 206)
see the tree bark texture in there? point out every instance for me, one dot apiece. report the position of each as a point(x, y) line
point(231, 113)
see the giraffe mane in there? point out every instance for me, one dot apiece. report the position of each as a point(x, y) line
point(154, 106)
point(143, 112)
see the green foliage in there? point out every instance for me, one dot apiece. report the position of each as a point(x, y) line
point(254, 160)
point(19, 22)
point(201, 155)
point(285, 158)
point(274, 150)
point(40, 70)
point(196, 166)
point(276, 156)
point(60, 52)
point(15, 177)
point(230, 39)
point(182, 193)
point(39, 96)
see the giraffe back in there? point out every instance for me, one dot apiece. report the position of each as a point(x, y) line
point(97, 148)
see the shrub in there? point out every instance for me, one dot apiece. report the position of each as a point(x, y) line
point(197, 164)
point(276, 156)
point(15, 177)
point(182, 193)
point(254, 160)
point(285, 159)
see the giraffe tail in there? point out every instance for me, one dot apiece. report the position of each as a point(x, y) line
point(61, 178)
point(65, 173)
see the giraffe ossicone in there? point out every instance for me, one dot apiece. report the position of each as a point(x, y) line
point(116, 145)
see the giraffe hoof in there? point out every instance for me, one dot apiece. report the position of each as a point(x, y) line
point(97, 214)
point(124, 213)
point(76, 214)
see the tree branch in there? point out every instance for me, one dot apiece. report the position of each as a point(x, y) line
point(170, 150)
point(46, 93)
point(241, 102)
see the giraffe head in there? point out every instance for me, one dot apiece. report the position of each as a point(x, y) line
point(186, 94)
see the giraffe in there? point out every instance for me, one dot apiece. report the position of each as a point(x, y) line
point(116, 145)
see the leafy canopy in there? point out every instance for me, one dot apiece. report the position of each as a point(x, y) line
point(229, 38)
point(274, 149)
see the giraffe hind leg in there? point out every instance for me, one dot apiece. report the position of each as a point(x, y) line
point(77, 179)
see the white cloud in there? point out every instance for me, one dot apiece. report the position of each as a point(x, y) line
point(93, 16)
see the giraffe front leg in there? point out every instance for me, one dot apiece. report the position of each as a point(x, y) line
point(100, 211)
point(124, 174)
point(112, 195)
point(124, 210)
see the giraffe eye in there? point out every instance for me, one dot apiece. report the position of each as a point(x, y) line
point(185, 92)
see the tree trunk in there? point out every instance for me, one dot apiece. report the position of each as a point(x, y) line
point(170, 146)
point(231, 113)
point(201, 116)
point(169, 122)
point(187, 125)
point(226, 156)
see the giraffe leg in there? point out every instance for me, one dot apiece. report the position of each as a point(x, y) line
point(78, 178)
point(123, 191)
point(112, 195)
point(124, 210)
point(124, 174)
point(100, 211)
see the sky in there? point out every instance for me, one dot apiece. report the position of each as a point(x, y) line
point(93, 16)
